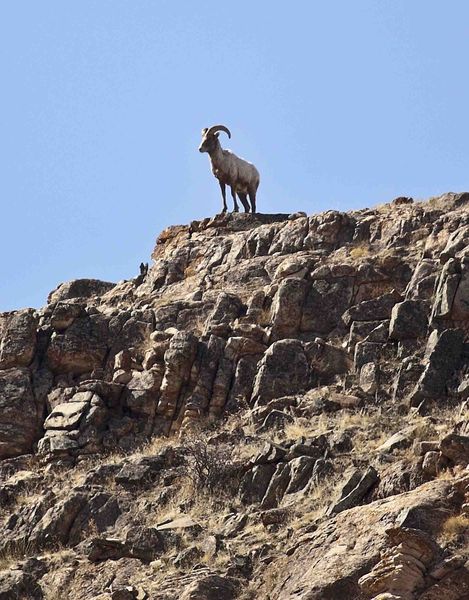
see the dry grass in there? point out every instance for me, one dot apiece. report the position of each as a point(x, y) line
point(454, 528)
point(360, 251)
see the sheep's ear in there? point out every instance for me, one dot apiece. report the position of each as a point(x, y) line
point(217, 134)
point(204, 130)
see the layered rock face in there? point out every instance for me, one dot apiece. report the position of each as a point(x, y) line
point(267, 329)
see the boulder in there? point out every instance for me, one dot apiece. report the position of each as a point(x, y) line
point(301, 470)
point(442, 357)
point(255, 483)
point(79, 288)
point(409, 320)
point(18, 338)
point(282, 371)
point(456, 448)
point(20, 413)
point(212, 587)
point(371, 310)
point(81, 348)
point(277, 486)
point(325, 303)
point(287, 308)
point(355, 490)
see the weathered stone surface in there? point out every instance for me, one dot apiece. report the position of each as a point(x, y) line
point(79, 288)
point(178, 362)
point(369, 377)
point(460, 307)
point(18, 338)
point(65, 313)
point(226, 324)
point(81, 348)
point(66, 416)
point(443, 354)
point(402, 567)
point(448, 282)
point(20, 414)
point(255, 483)
point(301, 469)
point(354, 490)
point(325, 303)
point(329, 563)
point(283, 370)
point(212, 587)
point(408, 320)
point(287, 308)
point(372, 310)
point(277, 486)
point(456, 448)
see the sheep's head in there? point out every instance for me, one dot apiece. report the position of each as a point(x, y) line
point(210, 137)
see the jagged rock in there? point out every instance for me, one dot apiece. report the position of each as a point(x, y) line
point(234, 524)
point(443, 353)
point(141, 472)
point(81, 348)
point(325, 303)
point(212, 587)
point(275, 419)
point(20, 413)
point(401, 439)
point(456, 448)
point(403, 566)
point(15, 583)
point(226, 309)
point(18, 338)
point(460, 307)
point(330, 562)
point(79, 288)
point(255, 482)
point(463, 389)
point(287, 308)
point(448, 282)
point(372, 310)
point(408, 320)
point(270, 453)
point(354, 490)
point(366, 353)
point(326, 359)
point(274, 516)
point(178, 362)
point(68, 415)
point(225, 323)
point(65, 313)
point(369, 375)
point(301, 470)
point(277, 486)
point(283, 370)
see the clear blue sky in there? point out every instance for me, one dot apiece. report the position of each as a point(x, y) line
point(340, 104)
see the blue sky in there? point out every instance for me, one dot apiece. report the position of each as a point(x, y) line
point(340, 104)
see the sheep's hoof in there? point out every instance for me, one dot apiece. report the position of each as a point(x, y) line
point(223, 211)
point(236, 210)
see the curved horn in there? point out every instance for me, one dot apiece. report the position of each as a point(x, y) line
point(215, 128)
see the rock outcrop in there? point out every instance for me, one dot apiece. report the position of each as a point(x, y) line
point(276, 408)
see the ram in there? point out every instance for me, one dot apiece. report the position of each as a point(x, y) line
point(241, 175)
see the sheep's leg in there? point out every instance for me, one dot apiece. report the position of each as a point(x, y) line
point(244, 202)
point(252, 198)
point(236, 207)
point(223, 193)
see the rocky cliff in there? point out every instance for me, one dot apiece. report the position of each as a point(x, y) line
point(275, 409)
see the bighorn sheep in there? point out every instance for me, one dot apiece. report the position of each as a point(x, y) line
point(229, 169)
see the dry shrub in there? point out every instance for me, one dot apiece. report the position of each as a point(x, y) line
point(454, 527)
point(210, 468)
